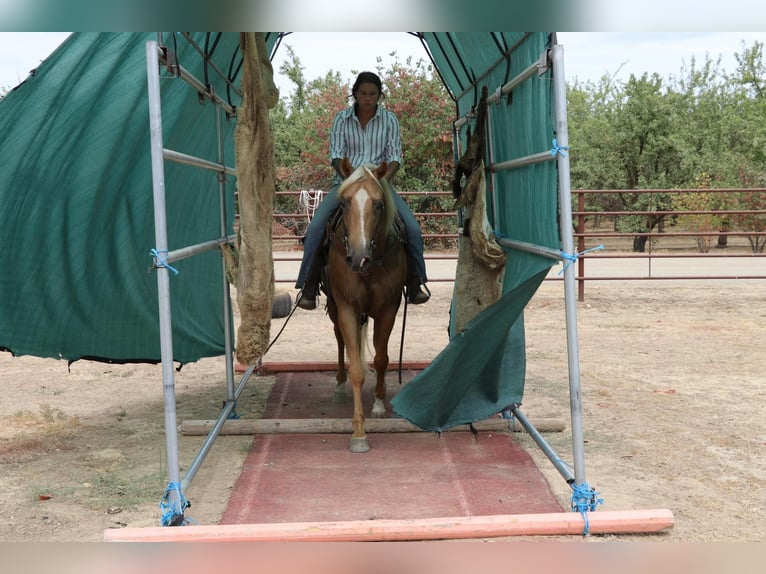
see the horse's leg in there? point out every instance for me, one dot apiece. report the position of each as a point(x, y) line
point(339, 396)
point(340, 377)
point(383, 327)
point(349, 326)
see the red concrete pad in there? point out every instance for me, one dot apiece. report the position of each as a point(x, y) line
point(314, 477)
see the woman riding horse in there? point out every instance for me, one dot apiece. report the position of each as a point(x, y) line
point(366, 133)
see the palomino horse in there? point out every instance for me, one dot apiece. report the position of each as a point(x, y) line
point(367, 269)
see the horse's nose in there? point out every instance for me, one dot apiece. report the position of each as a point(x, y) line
point(358, 264)
point(353, 263)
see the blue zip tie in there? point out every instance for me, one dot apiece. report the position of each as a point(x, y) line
point(169, 512)
point(584, 499)
point(572, 257)
point(559, 149)
point(160, 261)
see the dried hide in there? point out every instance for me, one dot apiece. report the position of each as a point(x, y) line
point(251, 265)
point(480, 261)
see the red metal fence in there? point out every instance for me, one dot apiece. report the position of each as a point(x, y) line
point(668, 243)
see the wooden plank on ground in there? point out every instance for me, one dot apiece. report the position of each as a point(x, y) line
point(451, 528)
point(333, 426)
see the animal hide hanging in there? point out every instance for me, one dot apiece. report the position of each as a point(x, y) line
point(481, 261)
point(251, 265)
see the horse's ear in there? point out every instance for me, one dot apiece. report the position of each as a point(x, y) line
point(345, 167)
point(380, 171)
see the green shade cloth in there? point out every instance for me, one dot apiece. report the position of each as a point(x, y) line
point(76, 205)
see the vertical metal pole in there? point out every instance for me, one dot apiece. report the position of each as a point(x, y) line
point(228, 345)
point(492, 173)
point(163, 279)
point(567, 241)
point(581, 247)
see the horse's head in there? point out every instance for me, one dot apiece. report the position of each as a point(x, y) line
point(368, 212)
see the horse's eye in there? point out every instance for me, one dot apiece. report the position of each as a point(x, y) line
point(379, 206)
point(344, 204)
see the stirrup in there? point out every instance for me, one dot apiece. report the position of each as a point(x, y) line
point(416, 296)
point(306, 301)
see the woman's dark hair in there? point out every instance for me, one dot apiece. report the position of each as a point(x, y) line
point(367, 78)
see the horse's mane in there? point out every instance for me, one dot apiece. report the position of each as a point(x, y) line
point(364, 172)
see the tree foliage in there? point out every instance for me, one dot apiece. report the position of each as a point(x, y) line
point(701, 129)
point(302, 122)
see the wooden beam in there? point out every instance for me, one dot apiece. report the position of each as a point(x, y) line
point(451, 528)
point(305, 366)
point(343, 426)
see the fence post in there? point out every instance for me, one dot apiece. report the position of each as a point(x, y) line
point(580, 246)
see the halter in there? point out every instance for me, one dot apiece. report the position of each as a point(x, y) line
point(396, 232)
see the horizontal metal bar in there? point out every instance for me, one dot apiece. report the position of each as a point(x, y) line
point(401, 193)
point(663, 277)
point(505, 89)
point(653, 191)
point(416, 214)
point(670, 234)
point(697, 212)
point(186, 252)
point(194, 82)
point(186, 159)
point(541, 157)
point(530, 248)
point(528, 72)
point(670, 255)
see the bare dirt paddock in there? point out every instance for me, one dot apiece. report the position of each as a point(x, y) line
point(673, 390)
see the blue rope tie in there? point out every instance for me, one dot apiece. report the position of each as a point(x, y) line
point(559, 149)
point(170, 512)
point(162, 261)
point(584, 499)
point(572, 257)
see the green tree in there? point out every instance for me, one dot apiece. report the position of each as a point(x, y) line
point(750, 77)
point(302, 122)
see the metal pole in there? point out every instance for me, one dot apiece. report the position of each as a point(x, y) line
point(492, 176)
point(227, 410)
point(227, 325)
point(163, 278)
point(567, 243)
point(544, 446)
point(187, 159)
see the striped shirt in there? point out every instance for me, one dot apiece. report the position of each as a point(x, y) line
point(380, 140)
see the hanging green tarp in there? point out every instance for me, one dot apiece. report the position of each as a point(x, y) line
point(482, 370)
point(77, 216)
point(76, 207)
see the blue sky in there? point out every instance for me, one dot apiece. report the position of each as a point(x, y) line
point(588, 55)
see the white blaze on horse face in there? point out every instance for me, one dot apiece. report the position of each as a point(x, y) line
point(361, 198)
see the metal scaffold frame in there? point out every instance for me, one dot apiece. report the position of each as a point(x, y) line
point(583, 497)
point(174, 502)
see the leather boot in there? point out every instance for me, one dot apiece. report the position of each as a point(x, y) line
point(416, 295)
point(307, 298)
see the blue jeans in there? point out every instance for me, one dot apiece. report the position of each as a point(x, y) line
point(316, 230)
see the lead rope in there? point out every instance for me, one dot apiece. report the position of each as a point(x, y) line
point(404, 323)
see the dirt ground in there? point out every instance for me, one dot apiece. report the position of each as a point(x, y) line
point(673, 390)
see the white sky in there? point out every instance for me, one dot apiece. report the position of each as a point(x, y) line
point(588, 55)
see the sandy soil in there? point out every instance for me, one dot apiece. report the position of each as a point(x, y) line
point(672, 383)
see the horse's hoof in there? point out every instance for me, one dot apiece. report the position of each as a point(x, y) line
point(360, 444)
point(339, 396)
point(378, 409)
